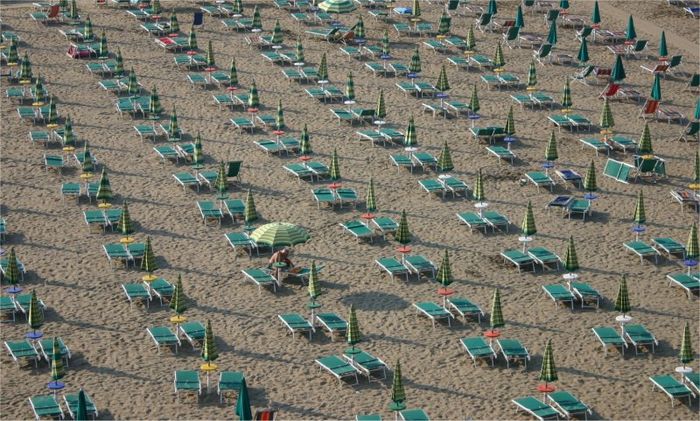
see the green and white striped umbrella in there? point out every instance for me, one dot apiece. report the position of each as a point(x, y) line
point(528, 226)
point(192, 39)
point(566, 96)
point(583, 51)
point(103, 51)
point(277, 35)
point(211, 62)
point(148, 262)
point(104, 190)
point(571, 259)
point(696, 171)
point(445, 23)
point(411, 137)
point(222, 180)
point(631, 32)
point(35, 316)
point(280, 234)
point(519, 19)
point(314, 288)
point(510, 123)
point(209, 352)
point(552, 36)
point(279, 119)
point(154, 108)
point(589, 181)
point(470, 40)
point(415, 10)
point(133, 87)
point(645, 147)
point(498, 59)
point(156, 9)
point(692, 250)
point(68, 136)
point(663, 49)
point(496, 319)
point(257, 20)
point(299, 51)
point(243, 403)
point(178, 302)
point(337, 6)
point(360, 28)
point(53, 114)
point(622, 302)
point(656, 88)
point(58, 370)
point(550, 153)
point(250, 214)
point(386, 44)
point(687, 355)
point(350, 88)
point(124, 226)
point(253, 97)
point(606, 117)
point(335, 166)
point(174, 24)
point(174, 128)
point(415, 65)
point(73, 12)
point(198, 153)
point(323, 68)
point(445, 159)
point(88, 165)
point(403, 235)
point(119, 63)
point(595, 16)
point(87, 30)
point(479, 194)
point(371, 200)
point(492, 8)
point(618, 72)
point(39, 92)
point(443, 85)
point(398, 393)
point(474, 101)
point(305, 147)
point(233, 73)
point(639, 216)
point(532, 75)
point(25, 71)
point(353, 335)
point(12, 274)
point(237, 7)
point(380, 111)
point(444, 274)
point(548, 372)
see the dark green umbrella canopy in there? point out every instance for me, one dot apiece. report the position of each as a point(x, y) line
point(645, 147)
point(350, 88)
point(58, 371)
point(595, 16)
point(630, 33)
point(496, 319)
point(148, 262)
point(68, 136)
point(371, 200)
point(510, 123)
point(257, 20)
point(222, 180)
point(622, 302)
point(571, 259)
point(277, 35)
point(299, 51)
point(174, 129)
point(81, 411)
point(552, 37)
point(156, 9)
point(253, 96)
point(305, 147)
point(124, 226)
point(548, 372)
point(532, 75)
point(663, 49)
point(360, 28)
point(323, 68)
point(38, 91)
point(415, 64)
point(519, 19)
point(386, 44)
point(53, 114)
point(314, 288)
point(639, 216)
point(103, 52)
point(550, 153)
point(566, 96)
point(687, 355)
point(250, 214)
point(443, 85)
point(479, 194)
point(243, 403)
point(12, 274)
point(25, 71)
point(606, 117)
point(470, 40)
point(237, 7)
point(88, 164)
point(403, 235)
point(380, 111)
point(279, 119)
point(73, 12)
point(104, 189)
point(583, 51)
point(35, 316)
point(233, 73)
point(353, 335)
point(192, 39)
point(177, 303)
point(415, 10)
point(696, 171)
point(492, 8)
point(474, 101)
point(87, 29)
point(209, 352)
point(133, 86)
point(444, 274)
point(154, 108)
point(174, 24)
point(198, 153)
point(334, 169)
point(618, 71)
point(564, 4)
point(445, 23)
point(656, 88)
point(398, 394)
point(411, 137)
point(528, 226)
point(692, 249)
point(696, 114)
point(445, 159)
point(119, 67)
point(211, 62)
point(589, 181)
point(498, 60)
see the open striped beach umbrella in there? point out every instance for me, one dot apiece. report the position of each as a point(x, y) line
point(645, 147)
point(35, 316)
point(386, 44)
point(415, 65)
point(359, 28)
point(250, 214)
point(550, 153)
point(498, 60)
point(192, 39)
point(211, 62)
point(622, 302)
point(222, 180)
point(209, 352)
point(528, 226)
point(257, 20)
point(104, 190)
point(639, 216)
point(58, 370)
point(87, 30)
point(243, 403)
point(532, 76)
point(88, 165)
point(279, 119)
point(323, 68)
point(510, 123)
point(253, 97)
point(124, 225)
point(548, 372)
point(398, 393)
point(233, 73)
point(403, 235)
point(73, 12)
point(630, 33)
point(68, 136)
point(519, 19)
point(174, 128)
point(445, 159)
point(552, 37)
point(479, 194)
point(198, 153)
point(38, 92)
point(337, 6)
point(174, 24)
point(350, 88)
point(52, 118)
point(492, 8)
point(566, 96)
point(314, 288)
point(177, 303)
point(119, 63)
point(12, 274)
point(133, 87)
point(663, 49)
point(335, 166)
point(81, 410)
point(25, 71)
point(371, 200)
point(103, 51)
point(444, 274)
point(618, 71)
point(237, 7)
point(353, 335)
point(445, 23)
point(443, 85)
point(411, 137)
point(606, 117)
point(305, 147)
point(299, 51)
point(470, 40)
point(154, 108)
point(415, 10)
point(589, 181)
point(474, 101)
point(687, 355)
point(571, 259)
point(277, 35)
point(496, 319)
point(583, 51)
point(280, 234)
point(148, 262)
point(656, 88)
point(595, 16)
point(692, 250)
point(380, 111)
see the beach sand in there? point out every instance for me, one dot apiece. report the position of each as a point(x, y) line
point(115, 361)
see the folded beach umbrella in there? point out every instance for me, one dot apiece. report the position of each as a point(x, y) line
point(233, 73)
point(192, 39)
point(174, 128)
point(337, 6)
point(696, 172)
point(104, 189)
point(443, 85)
point(156, 9)
point(177, 303)
point(496, 319)
point(630, 33)
point(250, 214)
point(470, 40)
point(12, 55)
point(656, 88)
point(52, 119)
point(528, 227)
point(552, 37)
point(88, 165)
point(510, 123)
point(222, 180)
point(663, 49)
point(103, 51)
point(445, 159)
point(398, 393)
point(335, 166)
point(257, 20)
point(479, 194)
point(353, 335)
point(444, 274)
point(210, 55)
point(618, 71)
point(474, 101)
point(87, 29)
point(119, 66)
point(571, 259)
point(253, 97)
point(532, 76)
point(519, 19)
point(243, 403)
point(359, 28)
point(692, 249)
point(410, 138)
point(415, 65)
point(25, 71)
point(279, 119)
point(444, 24)
point(371, 200)
point(548, 372)
point(564, 4)
point(595, 16)
point(583, 51)
point(589, 182)
point(639, 216)
point(380, 111)
point(696, 114)
point(687, 355)
point(198, 153)
point(12, 275)
point(314, 288)
point(133, 87)
point(305, 147)
point(299, 51)
point(323, 68)
point(68, 136)
point(81, 410)
point(124, 225)
point(58, 371)
point(35, 316)
point(174, 24)
point(403, 235)
point(566, 102)
point(498, 60)
point(73, 12)
point(277, 35)
point(350, 88)
point(622, 302)
point(154, 108)
point(38, 92)
point(386, 44)
point(492, 8)
point(645, 147)
point(209, 353)
point(278, 234)
point(148, 262)
point(237, 7)
point(415, 10)
point(606, 117)
point(550, 153)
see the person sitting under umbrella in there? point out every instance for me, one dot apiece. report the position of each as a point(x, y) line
point(280, 256)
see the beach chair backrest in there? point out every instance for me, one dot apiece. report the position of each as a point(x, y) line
point(234, 169)
point(53, 11)
point(198, 19)
point(528, 3)
point(640, 45)
point(513, 33)
point(675, 61)
point(552, 15)
point(264, 415)
point(694, 81)
point(585, 31)
point(651, 107)
point(544, 50)
point(452, 4)
point(485, 19)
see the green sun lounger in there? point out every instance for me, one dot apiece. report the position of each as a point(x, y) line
point(323, 195)
point(459, 62)
point(23, 301)
point(496, 220)
point(513, 350)
point(432, 186)
point(400, 160)
point(187, 381)
point(478, 349)
point(358, 229)
point(296, 323)
point(261, 277)
point(544, 257)
point(135, 292)
point(393, 267)
point(609, 337)
point(368, 417)
point(502, 153)
point(669, 245)
point(241, 239)
point(642, 249)
point(385, 225)
point(596, 144)
point(536, 408)
point(186, 179)
point(473, 220)
point(7, 305)
point(518, 258)
point(540, 179)
point(578, 206)
point(690, 283)
point(346, 195)
point(70, 189)
point(338, 367)
point(334, 324)
point(568, 404)
point(229, 381)
point(671, 387)
point(638, 335)
point(167, 152)
point(209, 211)
point(161, 288)
point(367, 364)
point(71, 401)
point(586, 294)
point(194, 333)
point(46, 350)
point(559, 294)
point(692, 380)
point(163, 336)
point(623, 143)
point(22, 350)
point(235, 208)
point(420, 265)
point(433, 311)
point(45, 407)
point(465, 307)
point(413, 415)
point(619, 171)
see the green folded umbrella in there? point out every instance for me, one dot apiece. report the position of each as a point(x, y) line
point(88, 165)
point(277, 35)
point(398, 393)
point(174, 24)
point(403, 235)
point(119, 63)
point(335, 166)
point(154, 108)
point(492, 8)
point(156, 9)
point(198, 153)
point(350, 88)
point(532, 75)
point(686, 355)
point(498, 60)
point(299, 51)
point(445, 159)
point(663, 49)
point(104, 190)
point(87, 29)
point(360, 28)
point(622, 302)
point(510, 123)
point(411, 137)
point(415, 65)
point(696, 114)
point(380, 111)
point(630, 33)
point(257, 20)
point(564, 4)
point(353, 334)
point(371, 200)
point(124, 225)
point(696, 171)
point(443, 85)
point(386, 44)
point(81, 411)
point(25, 71)
point(279, 119)
point(58, 370)
point(221, 180)
point(192, 39)
point(68, 136)
point(253, 97)
point(528, 227)
point(415, 10)
point(645, 147)
point(566, 102)
point(211, 62)
point(305, 147)
point(618, 71)
point(496, 320)
point(250, 214)
point(35, 315)
point(209, 352)
point(589, 181)
point(470, 40)
point(52, 118)
point(148, 262)
point(639, 216)
point(656, 88)
point(548, 372)
point(38, 92)
point(103, 52)
point(519, 19)
point(133, 87)
point(243, 403)
point(323, 68)
point(595, 16)
point(178, 302)
point(479, 195)
point(73, 12)
point(474, 101)
point(583, 51)
point(233, 73)
point(606, 117)
point(12, 274)
point(444, 274)
point(445, 23)
point(237, 7)
point(550, 153)
point(314, 288)
point(692, 249)
point(552, 37)
point(174, 128)
point(571, 259)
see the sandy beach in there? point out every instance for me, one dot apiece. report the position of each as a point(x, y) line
point(116, 362)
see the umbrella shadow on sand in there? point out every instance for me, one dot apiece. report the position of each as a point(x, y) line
point(375, 301)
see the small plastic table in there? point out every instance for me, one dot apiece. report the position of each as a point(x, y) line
point(126, 240)
point(34, 336)
point(334, 186)
point(55, 386)
point(473, 117)
point(13, 290)
point(546, 388)
point(367, 216)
